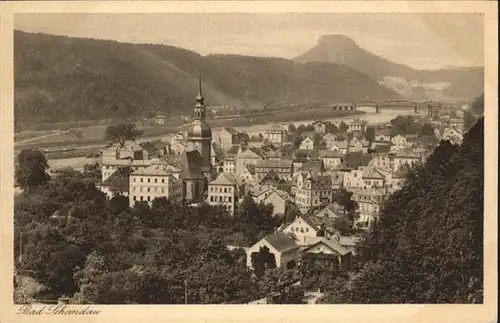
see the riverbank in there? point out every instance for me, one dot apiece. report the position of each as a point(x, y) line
point(93, 135)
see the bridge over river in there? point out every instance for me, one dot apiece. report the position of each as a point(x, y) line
point(432, 106)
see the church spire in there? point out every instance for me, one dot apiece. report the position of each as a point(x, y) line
point(199, 97)
point(199, 108)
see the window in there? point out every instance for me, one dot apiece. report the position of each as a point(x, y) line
point(307, 229)
point(225, 189)
point(142, 198)
point(141, 179)
point(149, 189)
point(149, 198)
point(211, 198)
point(229, 199)
point(211, 189)
point(163, 190)
point(163, 180)
point(149, 180)
point(156, 180)
point(134, 197)
point(133, 180)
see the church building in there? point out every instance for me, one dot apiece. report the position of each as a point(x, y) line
point(196, 161)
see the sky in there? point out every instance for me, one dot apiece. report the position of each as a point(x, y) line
point(420, 40)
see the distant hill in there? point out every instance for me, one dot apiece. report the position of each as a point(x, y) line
point(61, 79)
point(453, 83)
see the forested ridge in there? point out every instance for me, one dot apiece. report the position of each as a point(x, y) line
point(65, 79)
point(427, 246)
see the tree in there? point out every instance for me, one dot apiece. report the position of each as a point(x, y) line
point(93, 171)
point(344, 197)
point(343, 127)
point(331, 128)
point(50, 258)
point(261, 137)
point(263, 260)
point(422, 250)
point(477, 107)
point(469, 120)
point(427, 130)
point(297, 140)
point(31, 170)
point(291, 128)
point(370, 134)
point(121, 132)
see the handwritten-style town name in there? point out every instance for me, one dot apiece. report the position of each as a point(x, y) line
point(56, 310)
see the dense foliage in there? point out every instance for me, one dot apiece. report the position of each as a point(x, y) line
point(78, 243)
point(428, 244)
point(31, 169)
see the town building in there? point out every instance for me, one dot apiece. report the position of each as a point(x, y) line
point(155, 181)
point(178, 148)
point(303, 228)
point(453, 135)
point(383, 161)
point(341, 146)
point(307, 144)
point(406, 158)
point(229, 165)
point(117, 183)
point(247, 156)
point(372, 178)
point(399, 141)
point(130, 155)
point(353, 178)
point(247, 175)
point(328, 251)
point(274, 134)
point(319, 126)
point(278, 198)
point(178, 138)
point(369, 204)
point(356, 125)
point(283, 168)
point(457, 123)
point(332, 210)
point(160, 119)
point(383, 136)
point(329, 139)
point(227, 137)
point(281, 245)
point(223, 191)
point(331, 158)
point(311, 190)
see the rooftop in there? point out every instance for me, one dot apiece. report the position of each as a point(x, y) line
point(282, 242)
point(224, 179)
point(332, 244)
point(271, 163)
point(330, 154)
point(119, 180)
point(160, 169)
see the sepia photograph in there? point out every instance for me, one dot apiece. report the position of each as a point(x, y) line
point(252, 158)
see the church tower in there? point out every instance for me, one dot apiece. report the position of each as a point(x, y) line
point(200, 135)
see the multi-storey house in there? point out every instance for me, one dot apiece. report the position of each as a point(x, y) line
point(223, 191)
point(155, 181)
point(311, 190)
